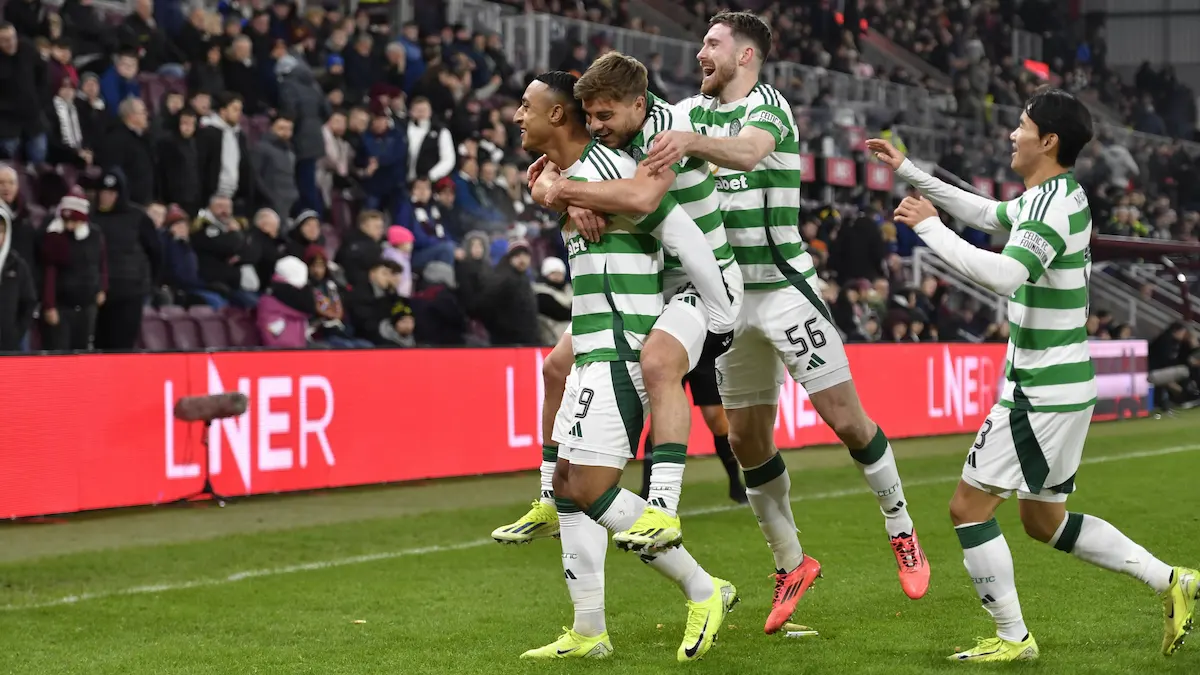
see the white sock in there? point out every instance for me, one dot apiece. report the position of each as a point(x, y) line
point(989, 562)
point(549, 461)
point(618, 509)
point(666, 476)
point(768, 489)
point(584, 545)
point(878, 466)
point(1096, 541)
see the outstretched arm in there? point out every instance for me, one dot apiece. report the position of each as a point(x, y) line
point(978, 212)
point(1003, 273)
point(637, 196)
point(680, 235)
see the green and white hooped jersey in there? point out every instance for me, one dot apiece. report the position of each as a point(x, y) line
point(694, 188)
point(761, 207)
point(1049, 366)
point(618, 280)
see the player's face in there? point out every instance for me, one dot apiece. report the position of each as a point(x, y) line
point(615, 123)
point(533, 116)
point(1027, 146)
point(718, 59)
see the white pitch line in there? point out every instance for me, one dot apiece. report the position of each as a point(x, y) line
point(423, 550)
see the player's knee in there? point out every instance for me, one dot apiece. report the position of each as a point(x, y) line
point(663, 366)
point(960, 511)
point(1039, 527)
point(562, 486)
point(852, 427)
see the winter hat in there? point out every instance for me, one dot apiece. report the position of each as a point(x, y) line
point(74, 206)
point(551, 265)
point(398, 234)
point(518, 244)
point(314, 251)
point(305, 215)
point(292, 271)
point(438, 272)
point(335, 60)
point(110, 181)
point(400, 310)
point(174, 215)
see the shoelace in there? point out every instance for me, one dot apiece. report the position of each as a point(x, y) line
point(779, 579)
point(904, 548)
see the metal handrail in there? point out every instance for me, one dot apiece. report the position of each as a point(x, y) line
point(925, 262)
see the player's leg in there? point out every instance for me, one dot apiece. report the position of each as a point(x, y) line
point(584, 548)
point(705, 396)
point(1045, 517)
point(811, 348)
point(541, 520)
point(647, 463)
point(749, 375)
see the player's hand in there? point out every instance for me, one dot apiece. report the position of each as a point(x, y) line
point(669, 147)
point(590, 224)
point(51, 316)
point(716, 344)
point(913, 210)
point(886, 152)
point(555, 192)
point(535, 170)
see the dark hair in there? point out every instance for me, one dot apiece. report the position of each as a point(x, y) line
point(188, 111)
point(226, 99)
point(746, 26)
point(280, 116)
point(423, 179)
point(1055, 111)
point(562, 85)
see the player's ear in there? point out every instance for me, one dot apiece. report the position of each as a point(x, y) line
point(556, 114)
point(746, 55)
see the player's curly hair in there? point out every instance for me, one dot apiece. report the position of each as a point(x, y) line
point(562, 85)
point(746, 26)
point(613, 77)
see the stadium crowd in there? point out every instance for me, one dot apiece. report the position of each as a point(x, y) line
point(321, 179)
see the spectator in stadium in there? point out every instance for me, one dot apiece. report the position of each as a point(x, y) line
point(1174, 363)
point(75, 276)
point(206, 72)
point(301, 100)
point(384, 160)
point(362, 249)
point(18, 297)
point(362, 67)
point(371, 303)
point(68, 141)
point(401, 330)
point(305, 232)
point(22, 233)
point(219, 242)
point(158, 54)
point(22, 84)
point(178, 151)
point(225, 167)
point(333, 169)
point(423, 217)
point(399, 249)
point(858, 252)
point(120, 82)
point(128, 149)
point(508, 305)
point(275, 167)
point(554, 295)
point(331, 316)
point(264, 244)
point(430, 147)
point(29, 17)
point(134, 263)
point(285, 310)
point(440, 318)
point(243, 76)
point(193, 37)
point(181, 267)
point(472, 201)
point(92, 37)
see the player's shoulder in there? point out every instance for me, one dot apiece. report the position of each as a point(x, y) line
point(1055, 199)
point(660, 115)
point(697, 101)
point(765, 94)
point(604, 163)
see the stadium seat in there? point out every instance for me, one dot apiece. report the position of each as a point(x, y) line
point(201, 311)
point(153, 336)
point(185, 334)
point(214, 333)
point(242, 331)
point(171, 311)
point(149, 311)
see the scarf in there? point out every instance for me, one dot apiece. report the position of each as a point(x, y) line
point(68, 123)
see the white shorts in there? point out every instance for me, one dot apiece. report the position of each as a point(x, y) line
point(603, 412)
point(781, 330)
point(685, 317)
point(1035, 454)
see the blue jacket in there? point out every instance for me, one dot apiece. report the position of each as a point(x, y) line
point(114, 89)
point(182, 265)
point(391, 150)
point(425, 230)
point(464, 198)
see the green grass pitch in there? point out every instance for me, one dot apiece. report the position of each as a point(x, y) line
point(403, 579)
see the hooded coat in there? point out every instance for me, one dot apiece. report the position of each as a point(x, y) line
point(18, 297)
point(134, 249)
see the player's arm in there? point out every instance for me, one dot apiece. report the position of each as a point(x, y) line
point(636, 196)
point(1022, 260)
point(978, 212)
point(682, 237)
point(541, 188)
point(740, 153)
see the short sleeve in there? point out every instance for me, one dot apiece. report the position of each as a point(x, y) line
point(767, 113)
point(1037, 243)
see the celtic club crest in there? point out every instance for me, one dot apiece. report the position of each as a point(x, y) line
point(735, 128)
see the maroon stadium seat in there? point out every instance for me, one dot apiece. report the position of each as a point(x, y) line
point(333, 240)
point(149, 311)
point(171, 311)
point(154, 336)
point(200, 311)
point(243, 332)
point(185, 333)
point(213, 332)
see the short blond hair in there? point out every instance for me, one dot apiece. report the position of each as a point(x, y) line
point(613, 77)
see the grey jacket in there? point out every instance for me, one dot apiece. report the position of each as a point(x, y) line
point(275, 166)
point(300, 99)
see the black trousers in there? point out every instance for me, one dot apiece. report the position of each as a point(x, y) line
point(119, 322)
point(74, 332)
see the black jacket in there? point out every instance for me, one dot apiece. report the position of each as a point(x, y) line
point(18, 298)
point(246, 81)
point(859, 251)
point(132, 153)
point(509, 307)
point(439, 317)
point(180, 184)
point(74, 270)
point(23, 91)
point(135, 255)
point(151, 41)
point(366, 311)
point(208, 152)
point(205, 77)
point(215, 247)
point(356, 255)
point(263, 252)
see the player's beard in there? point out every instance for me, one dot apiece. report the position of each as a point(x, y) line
point(722, 75)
